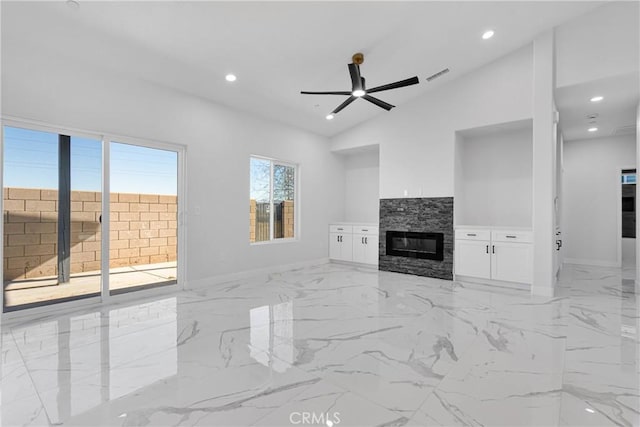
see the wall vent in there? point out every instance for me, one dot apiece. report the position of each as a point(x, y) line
point(625, 130)
point(438, 74)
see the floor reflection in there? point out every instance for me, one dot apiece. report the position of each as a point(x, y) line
point(272, 328)
point(79, 362)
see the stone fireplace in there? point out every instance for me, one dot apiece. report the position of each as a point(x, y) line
point(416, 236)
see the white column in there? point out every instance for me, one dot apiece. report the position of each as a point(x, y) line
point(544, 149)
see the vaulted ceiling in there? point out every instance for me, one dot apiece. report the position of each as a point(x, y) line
point(277, 49)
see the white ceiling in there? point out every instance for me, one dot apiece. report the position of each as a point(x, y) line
point(616, 112)
point(279, 48)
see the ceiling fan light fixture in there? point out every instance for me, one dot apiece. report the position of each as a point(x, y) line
point(359, 93)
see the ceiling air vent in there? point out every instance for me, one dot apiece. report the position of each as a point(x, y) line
point(438, 74)
point(625, 130)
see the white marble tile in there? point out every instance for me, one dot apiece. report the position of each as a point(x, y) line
point(379, 348)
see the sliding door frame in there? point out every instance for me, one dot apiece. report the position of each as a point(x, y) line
point(106, 138)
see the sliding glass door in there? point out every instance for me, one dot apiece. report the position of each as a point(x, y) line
point(143, 218)
point(53, 217)
point(51, 214)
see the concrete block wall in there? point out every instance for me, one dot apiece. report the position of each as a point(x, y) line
point(143, 231)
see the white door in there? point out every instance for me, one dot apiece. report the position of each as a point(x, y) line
point(512, 262)
point(472, 258)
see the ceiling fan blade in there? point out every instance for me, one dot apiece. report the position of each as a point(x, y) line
point(326, 93)
point(344, 104)
point(378, 102)
point(401, 83)
point(356, 78)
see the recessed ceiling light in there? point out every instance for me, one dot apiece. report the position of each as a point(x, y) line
point(330, 116)
point(597, 98)
point(592, 129)
point(230, 77)
point(358, 92)
point(73, 4)
point(488, 34)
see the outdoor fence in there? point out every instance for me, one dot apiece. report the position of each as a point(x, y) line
point(143, 231)
point(283, 220)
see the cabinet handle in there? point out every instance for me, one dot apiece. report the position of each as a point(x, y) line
point(366, 242)
point(364, 229)
point(493, 249)
point(487, 248)
point(362, 240)
point(510, 237)
point(340, 229)
point(471, 234)
point(557, 245)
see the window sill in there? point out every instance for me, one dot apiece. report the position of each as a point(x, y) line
point(275, 242)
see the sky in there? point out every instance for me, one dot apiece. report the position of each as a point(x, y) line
point(31, 161)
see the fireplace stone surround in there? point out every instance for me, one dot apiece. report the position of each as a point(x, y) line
point(425, 215)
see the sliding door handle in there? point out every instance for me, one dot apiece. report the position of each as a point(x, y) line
point(493, 249)
point(487, 248)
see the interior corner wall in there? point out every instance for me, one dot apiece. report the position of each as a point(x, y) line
point(590, 190)
point(417, 139)
point(362, 189)
point(40, 87)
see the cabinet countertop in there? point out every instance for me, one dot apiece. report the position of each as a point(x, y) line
point(491, 227)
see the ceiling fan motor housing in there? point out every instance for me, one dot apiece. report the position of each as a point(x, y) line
point(357, 58)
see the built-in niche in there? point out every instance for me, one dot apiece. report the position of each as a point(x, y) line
point(493, 175)
point(362, 184)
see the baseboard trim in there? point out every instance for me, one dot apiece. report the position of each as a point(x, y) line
point(490, 282)
point(592, 262)
point(223, 278)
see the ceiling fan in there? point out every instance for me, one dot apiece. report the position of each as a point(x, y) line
point(359, 90)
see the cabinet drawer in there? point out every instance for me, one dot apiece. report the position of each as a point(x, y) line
point(363, 229)
point(473, 234)
point(512, 236)
point(347, 229)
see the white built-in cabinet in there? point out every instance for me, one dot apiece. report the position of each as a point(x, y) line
point(354, 243)
point(496, 254)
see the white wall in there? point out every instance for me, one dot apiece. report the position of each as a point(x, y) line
point(591, 184)
point(496, 179)
point(417, 139)
point(219, 141)
point(362, 189)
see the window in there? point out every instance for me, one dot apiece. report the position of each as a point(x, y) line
point(271, 200)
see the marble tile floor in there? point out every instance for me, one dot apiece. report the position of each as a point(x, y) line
point(335, 345)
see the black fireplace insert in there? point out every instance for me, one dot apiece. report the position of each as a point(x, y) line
point(415, 244)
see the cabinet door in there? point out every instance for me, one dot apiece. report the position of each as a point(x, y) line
point(512, 262)
point(346, 247)
point(371, 249)
point(335, 247)
point(472, 258)
point(359, 248)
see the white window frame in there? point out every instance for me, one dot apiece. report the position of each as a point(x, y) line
point(296, 204)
